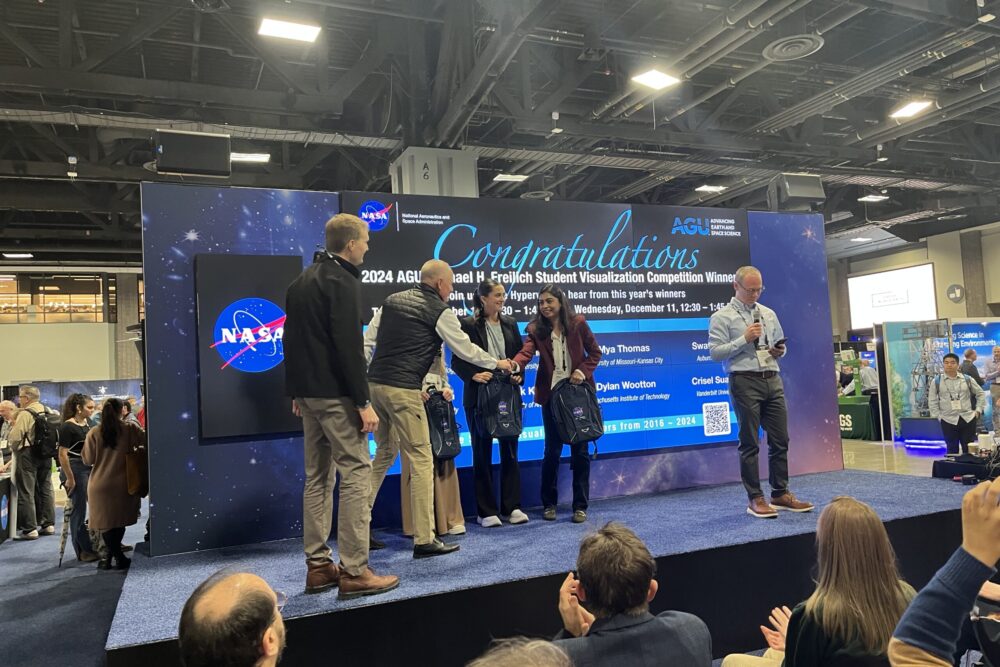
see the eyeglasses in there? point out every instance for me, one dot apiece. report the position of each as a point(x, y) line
point(280, 600)
point(751, 291)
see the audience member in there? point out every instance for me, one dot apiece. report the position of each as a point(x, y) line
point(521, 652)
point(36, 507)
point(7, 412)
point(112, 507)
point(232, 620)
point(957, 402)
point(968, 366)
point(869, 378)
point(74, 473)
point(129, 402)
point(615, 584)
point(928, 631)
point(858, 600)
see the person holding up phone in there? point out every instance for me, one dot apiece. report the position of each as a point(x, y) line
point(748, 339)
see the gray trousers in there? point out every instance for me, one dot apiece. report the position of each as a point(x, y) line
point(36, 506)
point(334, 443)
point(761, 402)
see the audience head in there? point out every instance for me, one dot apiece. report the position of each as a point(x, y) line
point(232, 620)
point(521, 652)
point(553, 305)
point(7, 410)
point(27, 394)
point(858, 593)
point(347, 236)
point(865, 363)
point(438, 274)
point(79, 406)
point(112, 413)
point(950, 362)
point(970, 354)
point(996, 352)
point(615, 571)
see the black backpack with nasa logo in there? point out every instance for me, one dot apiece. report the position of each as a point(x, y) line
point(576, 412)
point(498, 408)
point(445, 441)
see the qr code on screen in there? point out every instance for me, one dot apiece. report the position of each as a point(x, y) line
point(716, 418)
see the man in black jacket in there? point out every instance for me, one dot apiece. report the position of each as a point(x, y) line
point(325, 376)
point(402, 341)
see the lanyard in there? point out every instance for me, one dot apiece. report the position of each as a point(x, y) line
point(951, 394)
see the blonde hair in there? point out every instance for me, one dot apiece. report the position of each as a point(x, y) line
point(858, 595)
point(522, 652)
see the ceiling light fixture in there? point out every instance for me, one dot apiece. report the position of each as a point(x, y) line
point(49, 288)
point(301, 32)
point(710, 188)
point(986, 18)
point(873, 198)
point(860, 239)
point(259, 158)
point(910, 109)
point(510, 178)
point(655, 79)
point(17, 255)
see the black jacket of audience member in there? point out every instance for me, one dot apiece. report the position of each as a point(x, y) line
point(324, 348)
point(670, 638)
point(475, 329)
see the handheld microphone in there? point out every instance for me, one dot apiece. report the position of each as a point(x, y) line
point(756, 320)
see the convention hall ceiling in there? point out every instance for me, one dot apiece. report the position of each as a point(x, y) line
point(765, 86)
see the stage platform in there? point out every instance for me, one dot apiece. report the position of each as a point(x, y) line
point(713, 560)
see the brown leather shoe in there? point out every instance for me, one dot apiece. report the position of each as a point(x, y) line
point(760, 509)
point(321, 577)
point(366, 583)
point(788, 501)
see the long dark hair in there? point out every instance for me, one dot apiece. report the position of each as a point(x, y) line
point(111, 422)
point(485, 289)
point(74, 402)
point(542, 326)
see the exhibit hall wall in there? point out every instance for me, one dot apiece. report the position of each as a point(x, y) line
point(650, 319)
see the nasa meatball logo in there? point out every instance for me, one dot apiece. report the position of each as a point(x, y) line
point(375, 213)
point(248, 335)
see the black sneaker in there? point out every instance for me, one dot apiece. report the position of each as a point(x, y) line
point(373, 544)
point(549, 513)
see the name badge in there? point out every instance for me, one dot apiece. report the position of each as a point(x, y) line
point(956, 405)
point(3, 444)
point(766, 360)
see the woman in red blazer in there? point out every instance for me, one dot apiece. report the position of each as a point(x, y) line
point(566, 349)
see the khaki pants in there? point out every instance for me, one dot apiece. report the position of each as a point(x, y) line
point(447, 498)
point(771, 658)
point(334, 443)
point(402, 426)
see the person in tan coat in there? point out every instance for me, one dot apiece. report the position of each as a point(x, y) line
point(112, 507)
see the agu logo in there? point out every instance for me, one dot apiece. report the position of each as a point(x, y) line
point(375, 213)
point(248, 335)
point(690, 226)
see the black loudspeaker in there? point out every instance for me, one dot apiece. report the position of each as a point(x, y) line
point(191, 153)
point(794, 192)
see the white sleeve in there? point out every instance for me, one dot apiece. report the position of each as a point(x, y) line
point(371, 333)
point(450, 330)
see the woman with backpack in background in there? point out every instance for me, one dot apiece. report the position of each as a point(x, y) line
point(74, 473)
point(112, 507)
point(567, 350)
point(497, 334)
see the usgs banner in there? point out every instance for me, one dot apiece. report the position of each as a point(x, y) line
point(647, 278)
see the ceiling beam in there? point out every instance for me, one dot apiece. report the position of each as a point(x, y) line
point(66, 33)
point(137, 32)
point(24, 46)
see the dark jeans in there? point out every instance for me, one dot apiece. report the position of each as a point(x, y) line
point(958, 436)
point(579, 463)
point(482, 464)
point(36, 505)
point(760, 402)
point(76, 508)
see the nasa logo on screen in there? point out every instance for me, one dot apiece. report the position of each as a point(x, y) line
point(248, 335)
point(375, 213)
point(3, 512)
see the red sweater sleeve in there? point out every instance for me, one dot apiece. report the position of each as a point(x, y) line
point(591, 347)
point(527, 353)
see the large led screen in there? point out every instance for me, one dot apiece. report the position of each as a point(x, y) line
point(901, 295)
point(647, 278)
point(241, 319)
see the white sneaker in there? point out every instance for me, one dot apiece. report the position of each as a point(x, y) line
point(457, 530)
point(490, 521)
point(26, 535)
point(49, 530)
point(517, 516)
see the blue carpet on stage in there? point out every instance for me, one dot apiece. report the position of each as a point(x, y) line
point(671, 523)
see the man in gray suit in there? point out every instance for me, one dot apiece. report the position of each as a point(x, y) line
point(605, 610)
